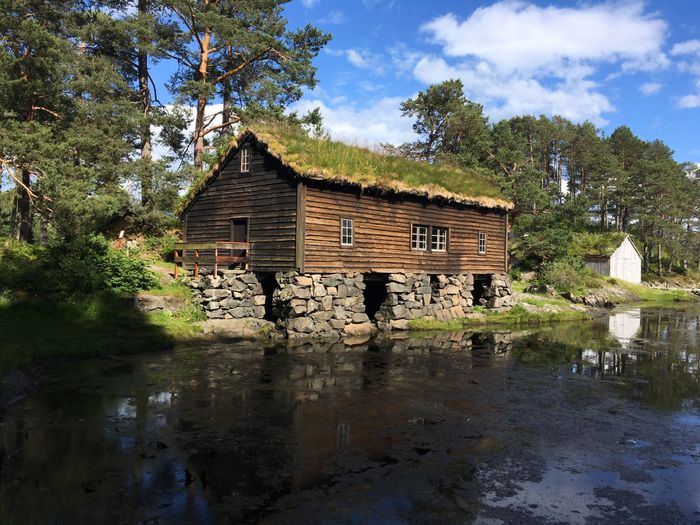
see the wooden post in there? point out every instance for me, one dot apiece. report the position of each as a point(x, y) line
point(216, 260)
point(175, 261)
point(196, 263)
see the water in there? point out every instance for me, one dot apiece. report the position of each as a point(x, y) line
point(580, 423)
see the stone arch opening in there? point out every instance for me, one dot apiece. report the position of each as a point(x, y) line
point(375, 293)
point(269, 284)
point(481, 282)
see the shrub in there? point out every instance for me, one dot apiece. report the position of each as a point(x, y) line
point(515, 274)
point(566, 275)
point(80, 266)
point(163, 246)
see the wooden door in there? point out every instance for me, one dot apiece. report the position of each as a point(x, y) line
point(239, 233)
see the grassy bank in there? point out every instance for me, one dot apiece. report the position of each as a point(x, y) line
point(103, 324)
point(546, 311)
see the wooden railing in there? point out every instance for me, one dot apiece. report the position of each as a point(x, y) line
point(190, 253)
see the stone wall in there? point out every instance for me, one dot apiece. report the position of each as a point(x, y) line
point(499, 293)
point(329, 305)
point(233, 294)
point(413, 296)
point(320, 305)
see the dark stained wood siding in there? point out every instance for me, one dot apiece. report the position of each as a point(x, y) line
point(263, 195)
point(383, 235)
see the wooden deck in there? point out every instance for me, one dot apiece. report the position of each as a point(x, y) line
point(196, 254)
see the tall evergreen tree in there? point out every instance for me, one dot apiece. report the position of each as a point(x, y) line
point(240, 50)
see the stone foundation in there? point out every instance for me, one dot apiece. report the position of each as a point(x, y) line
point(414, 296)
point(330, 305)
point(233, 294)
point(315, 305)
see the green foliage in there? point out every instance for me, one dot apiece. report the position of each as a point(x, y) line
point(453, 130)
point(81, 266)
point(566, 275)
point(163, 246)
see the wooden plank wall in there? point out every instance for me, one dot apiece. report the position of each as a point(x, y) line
point(383, 235)
point(268, 199)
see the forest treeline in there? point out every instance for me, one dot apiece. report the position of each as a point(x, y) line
point(82, 116)
point(565, 179)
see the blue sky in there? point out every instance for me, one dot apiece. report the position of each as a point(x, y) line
point(617, 62)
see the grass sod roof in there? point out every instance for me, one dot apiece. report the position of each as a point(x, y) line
point(597, 244)
point(321, 159)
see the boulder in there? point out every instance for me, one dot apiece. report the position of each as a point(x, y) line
point(398, 324)
point(304, 325)
point(302, 280)
point(247, 328)
point(360, 317)
point(358, 328)
point(217, 294)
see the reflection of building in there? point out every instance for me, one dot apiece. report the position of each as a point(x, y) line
point(624, 326)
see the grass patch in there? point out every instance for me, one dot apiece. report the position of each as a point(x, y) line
point(515, 316)
point(100, 325)
point(657, 295)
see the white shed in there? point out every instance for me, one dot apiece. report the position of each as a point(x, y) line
point(624, 263)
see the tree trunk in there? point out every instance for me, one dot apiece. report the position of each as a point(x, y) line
point(13, 216)
point(658, 258)
point(24, 209)
point(604, 214)
point(43, 230)
point(201, 102)
point(145, 131)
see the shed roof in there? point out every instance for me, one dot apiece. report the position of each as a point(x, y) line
point(597, 245)
point(322, 159)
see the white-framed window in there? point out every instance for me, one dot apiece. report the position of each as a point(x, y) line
point(245, 160)
point(347, 232)
point(419, 237)
point(482, 243)
point(438, 241)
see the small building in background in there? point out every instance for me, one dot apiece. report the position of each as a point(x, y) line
point(621, 260)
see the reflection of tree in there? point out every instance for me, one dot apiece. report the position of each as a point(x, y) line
point(659, 365)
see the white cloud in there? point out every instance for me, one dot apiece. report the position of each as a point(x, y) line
point(356, 59)
point(310, 3)
point(692, 100)
point(650, 88)
point(691, 48)
point(514, 35)
point(334, 18)
point(379, 121)
point(360, 58)
point(516, 57)
point(507, 96)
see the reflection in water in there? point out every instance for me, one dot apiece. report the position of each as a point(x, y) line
point(446, 427)
point(624, 325)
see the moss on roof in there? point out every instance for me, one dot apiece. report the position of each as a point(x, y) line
point(596, 244)
point(323, 159)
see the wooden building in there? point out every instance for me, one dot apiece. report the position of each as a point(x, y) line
point(621, 261)
point(318, 206)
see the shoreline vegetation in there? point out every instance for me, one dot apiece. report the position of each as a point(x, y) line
point(77, 300)
point(106, 323)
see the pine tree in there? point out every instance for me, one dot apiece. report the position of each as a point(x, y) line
point(243, 52)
